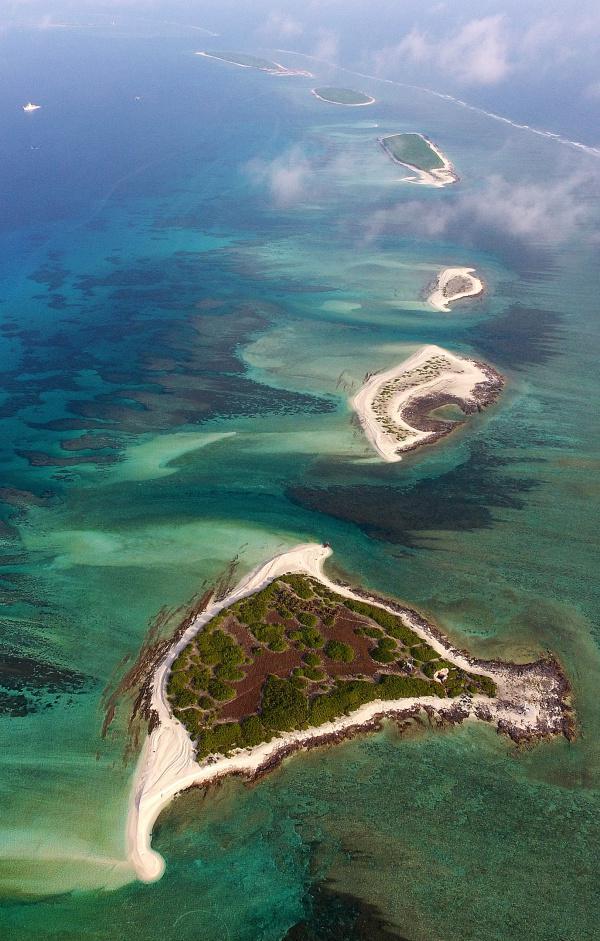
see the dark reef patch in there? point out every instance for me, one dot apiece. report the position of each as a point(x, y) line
point(340, 916)
point(462, 499)
point(28, 684)
point(524, 336)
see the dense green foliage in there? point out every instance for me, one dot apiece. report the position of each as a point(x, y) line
point(308, 637)
point(337, 650)
point(293, 614)
point(284, 706)
point(391, 623)
point(270, 634)
point(250, 62)
point(413, 150)
point(299, 585)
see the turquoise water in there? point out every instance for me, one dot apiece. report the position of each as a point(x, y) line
point(159, 294)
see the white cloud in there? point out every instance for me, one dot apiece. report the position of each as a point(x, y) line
point(280, 26)
point(286, 176)
point(327, 46)
point(476, 54)
point(530, 212)
point(593, 91)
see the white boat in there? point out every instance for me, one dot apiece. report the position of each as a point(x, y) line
point(31, 107)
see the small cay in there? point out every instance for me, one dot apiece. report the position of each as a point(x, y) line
point(343, 96)
point(429, 165)
point(394, 408)
point(454, 284)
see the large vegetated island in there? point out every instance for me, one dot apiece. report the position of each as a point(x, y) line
point(296, 655)
point(419, 154)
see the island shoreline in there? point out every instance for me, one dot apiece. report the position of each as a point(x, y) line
point(531, 704)
point(344, 104)
point(396, 420)
point(440, 301)
point(438, 177)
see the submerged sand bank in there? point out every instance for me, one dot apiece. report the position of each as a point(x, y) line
point(530, 703)
point(394, 407)
point(453, 284)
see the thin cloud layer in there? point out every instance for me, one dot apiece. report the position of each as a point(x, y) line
point(476, 54)
point(535, 213)
point(286, 177)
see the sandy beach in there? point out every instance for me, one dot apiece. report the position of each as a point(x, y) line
point(393, 407)
point(454, 284)
point(438, 177)
point(530, 703)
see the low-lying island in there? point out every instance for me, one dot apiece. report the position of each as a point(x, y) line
point(289, 659)
point(245, 61)
point(394, 407)
point(429, 165)
point(454, 284)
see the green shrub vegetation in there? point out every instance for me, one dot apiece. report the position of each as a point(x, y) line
point(308, 637)
point(314, 674)
point(204, 675)
point(412, 149)
point(220, 690)
point(308, 619)
point(284, 706)
point(337, 650)
point(299, 585)
point(270, 634)
point(486, 685)
point(312, 659)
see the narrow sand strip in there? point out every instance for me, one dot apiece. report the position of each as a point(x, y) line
point(530, 703)
point(453, 284)
point(393, 407)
